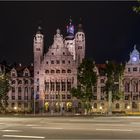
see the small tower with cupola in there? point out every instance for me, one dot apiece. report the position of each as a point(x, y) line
point(134, 56)
point(80, 44)
point(70, 40)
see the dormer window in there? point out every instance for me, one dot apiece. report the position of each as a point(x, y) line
point(26, 74)
point(13, 74)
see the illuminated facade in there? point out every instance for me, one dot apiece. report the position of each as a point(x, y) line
point(130, 87)
point(47, 83)
point(21, 93)
point(55, 72)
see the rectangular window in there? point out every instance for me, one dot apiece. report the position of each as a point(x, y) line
point(135, 69)
point(52, 62)
point(19, 89)
point(102, 89)
point(68, 96)
point(57, 62)
point(63, 61)
point(13, 89)
point(46, 86)
point(63, 97)
point(126, 97)
point(57, 86)
point(63, 86)
point(94, 97)
point(128, 69)
point(46, 96)
point(13, 97)
point(52, 86)
point(68, 86)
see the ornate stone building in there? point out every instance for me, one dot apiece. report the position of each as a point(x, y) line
point(55, 71)
point(21, 93)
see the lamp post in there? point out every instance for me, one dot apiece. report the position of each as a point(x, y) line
point(35, 93)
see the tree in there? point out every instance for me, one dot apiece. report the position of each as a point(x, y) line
point(4, 88)
point(86, 80)
point(137, 8)
point(114, 73)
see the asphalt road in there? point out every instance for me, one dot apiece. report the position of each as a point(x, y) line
point(70, 128)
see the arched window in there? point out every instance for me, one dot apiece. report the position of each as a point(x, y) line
point(57, 71)
point(46, 71)
point(117, 105)
point(52, 71)
point(95, 105)
point(134, 105)
point(19, 82)
point(68, 71)
point(13, 82)
point(63, 71)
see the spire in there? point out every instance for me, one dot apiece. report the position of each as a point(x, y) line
point(135, 47)
point(80, 27)
point(39, 30)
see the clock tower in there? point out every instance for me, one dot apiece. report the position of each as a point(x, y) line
point(134, 56)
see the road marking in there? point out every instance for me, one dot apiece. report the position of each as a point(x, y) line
point(114, 129)
point(21, 136)
point(32, 125)
point(111, 124)
point(11, 130)
point(48, 128)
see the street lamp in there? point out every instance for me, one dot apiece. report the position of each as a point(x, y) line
point(15, 108)
point(128, 107)
point(101, 109)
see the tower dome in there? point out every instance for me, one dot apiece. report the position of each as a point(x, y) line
point(70, 31)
